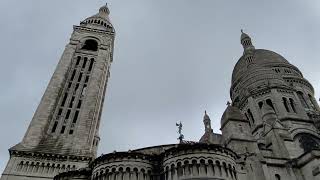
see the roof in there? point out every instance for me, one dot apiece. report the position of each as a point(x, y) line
point(263, 58)
point(231, 113)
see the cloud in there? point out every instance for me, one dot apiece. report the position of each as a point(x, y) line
point(172, 61)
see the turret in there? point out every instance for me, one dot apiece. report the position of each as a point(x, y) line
point(246, 42)
point(207, 122)
point(209, 137)
point(234, 126)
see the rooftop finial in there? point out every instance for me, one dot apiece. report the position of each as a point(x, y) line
point(246, 41)
point(181, 136)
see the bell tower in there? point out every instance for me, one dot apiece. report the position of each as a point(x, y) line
point(64, 131)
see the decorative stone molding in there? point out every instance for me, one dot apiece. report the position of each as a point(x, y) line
point(199, 161)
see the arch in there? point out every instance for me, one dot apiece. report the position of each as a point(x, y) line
point(251, 116)
point(219, 167)
point(179, 169)
point(297, 131)
point(308, 142)
point(277, 176)
point(202, 161)
point(285, 103)
point(260, 104)
point(293, 105)
point(269, 102)
point(225, 168)
point(302, 99)
point(312, 102)
point(230, 170)
point(90, 45)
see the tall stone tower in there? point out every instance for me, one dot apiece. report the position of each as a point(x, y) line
point(64, 132)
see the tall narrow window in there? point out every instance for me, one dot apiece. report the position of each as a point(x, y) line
point(260, 104)
point(80, 76)
point(73, 74)
point(59, 113)
point(91, 64)
point(84, 62)
point(54, 127)
point(84, 90)
point(69, 85)
point(313, 104)
point(63, 129)
point(293, 105)
point(75, 117)
point(71, 102)
point(76, 88)
point(71, 131)
point(68, 114)
point(269, 102)
point(79, 104)
point(87, 79)
point(78, 60)
point(251, 116)
point(248, 119)
point(64, 99)
point(285, 103)
point(302, 100)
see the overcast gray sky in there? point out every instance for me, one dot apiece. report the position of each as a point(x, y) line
point(173, 59)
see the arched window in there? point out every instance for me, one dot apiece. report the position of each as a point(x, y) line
point(260, 104)
point(269, 102)
point(313, 104)
point(277, 176)
point(293, 105)
point(90, 45)
point(309, 142)
point(302, 100)
point(248, 119)
point(285, 103)
point(251, 116)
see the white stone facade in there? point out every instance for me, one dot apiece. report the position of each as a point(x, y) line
point(270, 131)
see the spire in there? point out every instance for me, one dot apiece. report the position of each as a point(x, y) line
point(246, 41)
point(100, 20)
point(104, 9)
point(207, 122)
point(206, 116)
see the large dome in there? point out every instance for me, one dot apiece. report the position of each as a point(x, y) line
point(263, 58)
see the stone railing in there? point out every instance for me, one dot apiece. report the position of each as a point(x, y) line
point(199, 162)
point(123, 166)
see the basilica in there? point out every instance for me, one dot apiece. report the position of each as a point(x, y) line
point(270, 129)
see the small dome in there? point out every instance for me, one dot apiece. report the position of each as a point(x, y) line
point(100, 20)
point(244, 35)
point(104, 9)
point(262, 58)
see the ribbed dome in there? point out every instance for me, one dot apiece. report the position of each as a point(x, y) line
point(262, 58)
point(100, 20)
